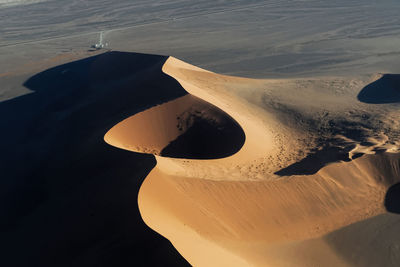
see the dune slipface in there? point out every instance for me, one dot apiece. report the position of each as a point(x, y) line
point(221, 191)
point(187, 127)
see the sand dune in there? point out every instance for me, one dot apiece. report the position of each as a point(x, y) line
point(187, 127)
point(313, 164)
point(273, 172)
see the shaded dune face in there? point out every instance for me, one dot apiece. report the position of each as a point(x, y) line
point(187, 127)
point(392, 199)
point(385, 90)
point(68, 198)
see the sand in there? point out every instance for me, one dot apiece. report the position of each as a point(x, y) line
point(306, 181)
point(70, 199)
point(259, 172)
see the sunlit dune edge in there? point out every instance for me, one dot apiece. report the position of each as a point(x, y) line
point(240, 205)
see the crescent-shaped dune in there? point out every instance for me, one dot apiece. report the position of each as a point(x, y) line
point(268, 172)
point(187, 127)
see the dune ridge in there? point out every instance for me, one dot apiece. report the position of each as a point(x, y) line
point(297, 175)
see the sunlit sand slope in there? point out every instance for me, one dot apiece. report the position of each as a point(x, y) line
point(270, 172)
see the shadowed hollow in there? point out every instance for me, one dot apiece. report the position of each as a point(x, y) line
point(187, 127)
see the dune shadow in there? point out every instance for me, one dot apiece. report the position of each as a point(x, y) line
point(67, 197)
point(385, 90)
point(316, 160)
point(333, 146)
point(392, 199)
point(186, 127)
point(207, 138)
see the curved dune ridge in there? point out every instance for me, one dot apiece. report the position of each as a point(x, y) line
point(187, 127)
point(221, 192)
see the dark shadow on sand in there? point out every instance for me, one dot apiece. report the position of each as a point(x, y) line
point(315, 161)
point(331, 150)
point(392, 199)
point(385, 90)
point(207, 138)
point(66, 197)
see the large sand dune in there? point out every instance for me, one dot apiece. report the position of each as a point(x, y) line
point(296, 171)
point(271, 172)
point(308, 180)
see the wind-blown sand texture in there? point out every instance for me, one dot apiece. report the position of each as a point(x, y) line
point(271, 172)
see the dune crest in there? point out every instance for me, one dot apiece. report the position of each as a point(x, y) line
point(295, 175)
